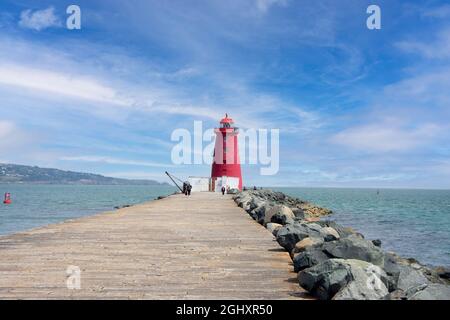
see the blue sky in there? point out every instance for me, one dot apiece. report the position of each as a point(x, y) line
point(355, 107)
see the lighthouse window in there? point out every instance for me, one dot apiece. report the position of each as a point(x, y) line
point(226, 125)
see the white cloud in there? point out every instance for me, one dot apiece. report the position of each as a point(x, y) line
point(438, 48)
point(6, 128)
point(59, 83)
point(264, 5)
point(12, 138)
point(110, 160)
point(429, 89)
point(39, 19)
point(385, 137)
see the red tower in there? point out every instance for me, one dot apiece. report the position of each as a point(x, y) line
point(226, 167)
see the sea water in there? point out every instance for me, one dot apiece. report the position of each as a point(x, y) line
point(40, 205)
point(412, 223)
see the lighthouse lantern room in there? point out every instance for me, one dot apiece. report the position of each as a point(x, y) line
point(226, 167)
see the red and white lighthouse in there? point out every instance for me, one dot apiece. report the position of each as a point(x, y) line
point(226, 167)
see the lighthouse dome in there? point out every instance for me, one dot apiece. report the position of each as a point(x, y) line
point(226, 122)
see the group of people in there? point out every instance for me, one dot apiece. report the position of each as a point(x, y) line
point(187, 188)
point(254, 188)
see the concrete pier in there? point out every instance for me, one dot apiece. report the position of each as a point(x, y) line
point(202, 247)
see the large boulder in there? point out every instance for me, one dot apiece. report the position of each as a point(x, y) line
point(330, 234)
point(443, 272)
point(309, 257)
point(409, 278)
point(341, 230)
point(290, 234)
point(407, 274)
point(259, 213)
point(273, 228)
point(279, 214)
point(369, 282)
point(344, 279)
point(306, 243)
point(377, 243)
point(355, 247)
point(433, 291)
point(298, 213)
point(326, 279)
point(243, 201)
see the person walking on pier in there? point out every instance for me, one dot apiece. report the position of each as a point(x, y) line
point(223, 190)
point(189, 188)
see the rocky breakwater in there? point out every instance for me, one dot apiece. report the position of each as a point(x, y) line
point(335, 262)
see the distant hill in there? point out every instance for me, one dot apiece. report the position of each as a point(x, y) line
point(13, 173)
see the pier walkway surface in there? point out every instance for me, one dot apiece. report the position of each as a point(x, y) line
point(201, 247)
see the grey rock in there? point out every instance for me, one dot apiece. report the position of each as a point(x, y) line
point(391, 265)
point(343, 231)
point(406, 274)
point(252, 204)
point(278, 198)
point(376, 242)
point(282, 219)
point(330, 234)
point(344, 279)
point(409, 278)
point(326, 279)
point(308, 258)
point(443, 272)
point(298, 213)
point(244, 201)
point(368, 282)
point(273, 228)
point(433, 291)
point(260, 212)
point(290, 234)
point(279, 214)
point(354, 247)
point(302, 245)
point(396, 295)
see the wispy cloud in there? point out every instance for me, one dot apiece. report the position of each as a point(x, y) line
point(349, 107)
point(110, 160)
point(13, 138)
point(40, 19)
point(58, 83)
point(437, 48)
point(265, 5)
point(385, 137)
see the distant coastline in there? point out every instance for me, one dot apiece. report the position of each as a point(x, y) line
point(22, 174)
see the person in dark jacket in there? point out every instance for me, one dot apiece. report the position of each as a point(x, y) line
point(189, 188)
point(223, 190)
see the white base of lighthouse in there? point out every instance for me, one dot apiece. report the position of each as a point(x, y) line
point(227, 182)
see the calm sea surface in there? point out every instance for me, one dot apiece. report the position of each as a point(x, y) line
point(39, 205)
point(413, 223)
